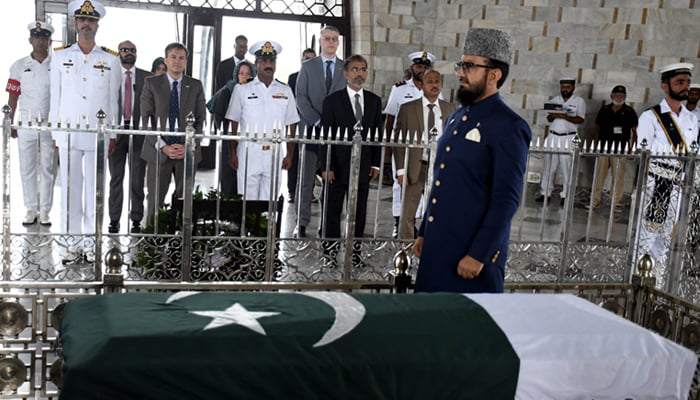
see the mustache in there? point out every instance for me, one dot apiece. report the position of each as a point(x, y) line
point(267, 69)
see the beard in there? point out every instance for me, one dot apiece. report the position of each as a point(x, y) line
point(127, 60)
point(618, 102)
point(468, 96)
point(677, 95)
point(565, 94)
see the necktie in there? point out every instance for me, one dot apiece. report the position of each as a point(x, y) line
point(431, 117)
point(128, 87)
point(358, 107)
point(174, 112)
point(329, 75)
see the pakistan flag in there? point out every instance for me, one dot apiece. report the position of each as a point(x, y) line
point(302, 345)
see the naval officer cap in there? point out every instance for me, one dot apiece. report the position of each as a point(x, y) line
point(489, 43)
point(265, 49)
point(671, 70)
point(695, 86)
point(422, 57)
point(567, 79)
point(86, 9)
point(619, 89)
point(40, 29)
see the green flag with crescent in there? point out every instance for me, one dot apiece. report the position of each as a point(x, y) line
point(302, 345)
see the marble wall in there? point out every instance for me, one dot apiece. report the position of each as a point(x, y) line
point(601, 42)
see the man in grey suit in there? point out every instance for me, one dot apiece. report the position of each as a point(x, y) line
point(167, 99)
point(130, 114)
point(414, 118)
point(317, 78)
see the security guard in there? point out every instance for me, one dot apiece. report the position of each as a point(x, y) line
point(403, 92)
point(29, 85)
point(668, 125)
point(85, 78)
point(479, 167)
point(260, 107)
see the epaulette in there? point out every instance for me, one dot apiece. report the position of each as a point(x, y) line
point(281, 82)
point(62, 47)
point(110, 51)
point(399, 83)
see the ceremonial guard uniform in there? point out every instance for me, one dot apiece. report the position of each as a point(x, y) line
point(479, 168)
point(260, 109)
point(29, 81)
point(561, 131)
point(663, 129)
point(81, 85)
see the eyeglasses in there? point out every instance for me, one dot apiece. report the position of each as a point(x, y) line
point(467, 66)
point(330, 38)
point(358, 69)
point(127, 50)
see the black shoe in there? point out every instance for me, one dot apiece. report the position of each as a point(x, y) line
point(540, 198)
point(113, 227)
point(135, 227)
point(562, 201)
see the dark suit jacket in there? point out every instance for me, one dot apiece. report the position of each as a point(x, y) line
point(292, 82)
point(224, 72)
point(311, 90)
point(410, 124)
point(155, 106)
point(140, 75)
point(338, 114)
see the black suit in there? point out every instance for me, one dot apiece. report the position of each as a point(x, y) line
point(117, 160)
point(338, 113)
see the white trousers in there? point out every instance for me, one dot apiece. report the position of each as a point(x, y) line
point(78, 190)
point(37, 158)
point(552, 162)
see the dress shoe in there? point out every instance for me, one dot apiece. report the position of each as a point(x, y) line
point(302, 232)
point(44, 219)
point(113, 227)
point(290, 197)
point(540, 198)
point(135, 227)
point(593, 206)
point(314, 199)
point(563, 199)
point(29, 218)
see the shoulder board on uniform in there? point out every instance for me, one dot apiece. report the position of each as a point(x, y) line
point(399, 83)
point(278, 81)
point(62, 47)
point(110, 51)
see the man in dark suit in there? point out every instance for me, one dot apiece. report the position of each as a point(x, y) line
point(166, 101)
point(224, 71)
point(414, 122)
point(318, 78)
point(119, 151)
point(342, 110)
point(479, 168)
point(293, 171)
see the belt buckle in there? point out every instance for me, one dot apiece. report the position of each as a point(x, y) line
point(265, 147)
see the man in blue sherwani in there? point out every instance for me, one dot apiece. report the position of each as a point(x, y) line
point(479, 169)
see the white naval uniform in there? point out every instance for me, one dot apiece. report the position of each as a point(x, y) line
point(398, 96)
point(655, 239)
point(30, 80)
point(259, 108)
point(81, 85)
point(575, 107)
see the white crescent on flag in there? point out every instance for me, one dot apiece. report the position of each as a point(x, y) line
point(348, 312)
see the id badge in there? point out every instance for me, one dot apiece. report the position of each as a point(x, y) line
point(617, 130)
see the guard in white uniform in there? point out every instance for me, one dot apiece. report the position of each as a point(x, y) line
point(693, 100)
point(564, 127)
point(403, 92)
point(85, 78)
point(665, 126)
point(261, 106)
point(29, 85)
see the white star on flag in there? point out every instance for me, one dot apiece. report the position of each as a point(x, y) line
point(236, 314)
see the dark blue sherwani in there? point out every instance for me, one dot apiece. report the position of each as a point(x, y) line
point(477, 183)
